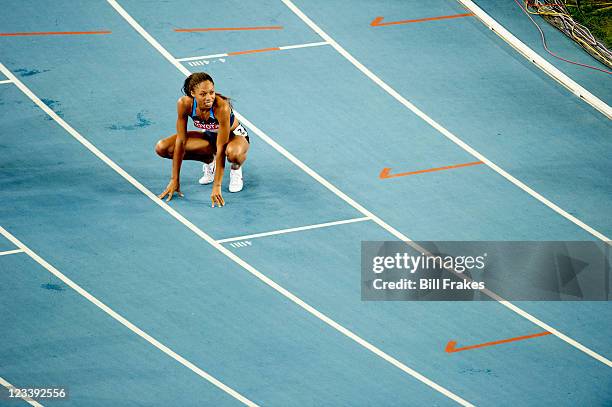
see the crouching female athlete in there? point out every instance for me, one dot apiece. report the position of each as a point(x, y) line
point(221, 136)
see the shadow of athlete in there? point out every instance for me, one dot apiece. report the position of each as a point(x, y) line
point(221, 136)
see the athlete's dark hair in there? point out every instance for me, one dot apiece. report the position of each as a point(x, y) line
point(195, 79)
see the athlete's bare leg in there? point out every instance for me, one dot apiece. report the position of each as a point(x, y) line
point(196, 147)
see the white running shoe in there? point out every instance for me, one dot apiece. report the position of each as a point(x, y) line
point(235, 184)
point(209, 173)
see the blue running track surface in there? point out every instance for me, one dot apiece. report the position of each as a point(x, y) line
point(279, 318)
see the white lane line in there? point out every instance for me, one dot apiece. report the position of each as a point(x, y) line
point(208, 238)
point(7, 81)
point(406, 239)
point(201, 57)
point(286, 47)
point(447, 133)
point(124, 321)
point(27, 399)
point(311, 44)
point(439, 127)
point(339, 193)
point(537, 60)
point(291, 230)
point(11, 252)
point(219, 247)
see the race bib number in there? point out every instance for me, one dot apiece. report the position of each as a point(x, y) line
point(240, 131)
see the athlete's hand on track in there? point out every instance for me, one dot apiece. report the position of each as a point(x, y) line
point(216, 196)
point(173, 186)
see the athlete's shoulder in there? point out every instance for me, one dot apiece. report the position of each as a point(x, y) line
point(222, 102)
point(222, 106)
point(184, 104)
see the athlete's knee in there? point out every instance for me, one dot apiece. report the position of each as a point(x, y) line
point(162, 150)
point(235, 154)
point(231, 152)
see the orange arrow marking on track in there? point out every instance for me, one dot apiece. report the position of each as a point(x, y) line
point(450, 347)
point(386, 172)
point(253, 51)
point(377, 22)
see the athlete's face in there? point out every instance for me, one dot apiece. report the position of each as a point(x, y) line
point(204, 93)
